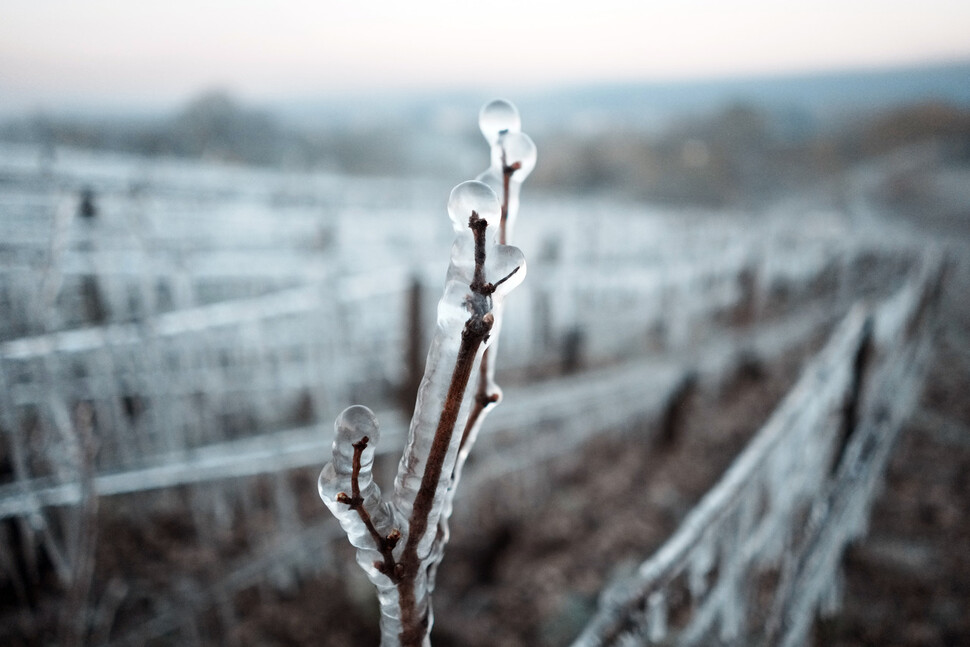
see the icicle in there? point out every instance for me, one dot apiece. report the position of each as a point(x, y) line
point(732, 600)
point(629, 639)
point(497, 118)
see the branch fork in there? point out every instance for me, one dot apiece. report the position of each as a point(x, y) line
point(400, 539)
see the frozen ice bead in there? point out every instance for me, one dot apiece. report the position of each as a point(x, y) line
point(519, 149)
point(501, 262)
point(352, 425)
point(473, 196)
point(497, 118)
point(337, 482)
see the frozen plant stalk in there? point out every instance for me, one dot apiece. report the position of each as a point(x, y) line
point(513, 156)
point(400, 541)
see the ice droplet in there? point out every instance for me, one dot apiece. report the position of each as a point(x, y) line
point(473, 196)
point(519, 149)
point(497, 118)
point(501, 262)
point(355, 422)
point(351, 426)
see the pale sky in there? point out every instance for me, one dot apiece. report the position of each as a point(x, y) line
point(151, 51)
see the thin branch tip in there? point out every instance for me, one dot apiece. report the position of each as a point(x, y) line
point(506, 277)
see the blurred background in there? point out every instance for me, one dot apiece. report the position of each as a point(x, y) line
point(222, 222)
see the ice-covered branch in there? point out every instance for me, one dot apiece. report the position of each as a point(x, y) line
point(395, 539)
point(368, 521)
point(513, 156)
point(465, 322)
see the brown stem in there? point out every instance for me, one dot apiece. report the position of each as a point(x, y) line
point(482, 397)
point(478, 227)
point(475, 332)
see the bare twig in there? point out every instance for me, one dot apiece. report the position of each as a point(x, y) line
point(507, 171)
point(356, 502)
point(483, 395)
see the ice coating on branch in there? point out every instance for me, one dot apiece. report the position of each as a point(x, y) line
point(504, 268)
point(453, 308)
point(354, 423)
point(513, 159)
point(480, 274)
point(465, 199)
point(498, 117)
point(517, 152)
point(352, 426)
point(401, 542)
point(501, 261)
point(513, 156)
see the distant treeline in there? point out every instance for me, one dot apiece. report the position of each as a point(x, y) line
point(217, 127)
point(736, 156)
point(742, 154)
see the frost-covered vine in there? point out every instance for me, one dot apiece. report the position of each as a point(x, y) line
point(400, 539)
